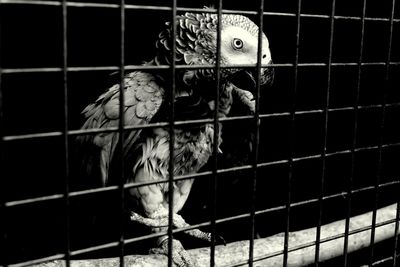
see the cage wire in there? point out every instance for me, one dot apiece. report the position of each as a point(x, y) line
point(324, 141)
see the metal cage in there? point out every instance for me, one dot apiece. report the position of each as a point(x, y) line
point(358, 65)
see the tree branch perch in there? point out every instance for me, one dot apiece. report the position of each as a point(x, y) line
point(301, 245)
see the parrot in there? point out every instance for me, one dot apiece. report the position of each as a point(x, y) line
point(147, 151)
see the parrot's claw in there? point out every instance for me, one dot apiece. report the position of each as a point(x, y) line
point(180, 257)
point(219, 240)
point(136, 217)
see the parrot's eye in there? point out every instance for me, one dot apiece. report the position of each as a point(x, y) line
point(237, 43)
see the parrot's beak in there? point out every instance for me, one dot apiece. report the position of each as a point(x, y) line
point(267, 75)
point(246, 84)
point(246, 79)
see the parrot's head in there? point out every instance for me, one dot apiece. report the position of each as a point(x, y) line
point(196, 44)
point(239, 45)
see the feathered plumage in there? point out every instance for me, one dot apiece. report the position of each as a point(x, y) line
point(147, 151)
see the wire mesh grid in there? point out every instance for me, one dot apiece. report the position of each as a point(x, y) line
point(254, 164)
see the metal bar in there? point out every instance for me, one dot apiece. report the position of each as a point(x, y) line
point(292, 135)
point(396, 238)
point(95, 190)
point(257, 122)
point(156, 234)
point(187, 176)
point(206, 66)
point(65, 134)
point(10, 138)
point(95, 248)
point(382, 261)
point(3, 183)
point(382, 127)
point(354, 141)
point(190, 176)
point(121, 131)
point(295, 204)
point(33, 200)
point(183, 9)
point(214, 185)
point(30, 136)
point(37, 261)
point(172, 133)
point(27, 2)
point(326, 120)
point(29, 70)
point(139, 67)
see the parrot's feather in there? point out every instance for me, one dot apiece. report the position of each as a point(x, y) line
point(143, 98)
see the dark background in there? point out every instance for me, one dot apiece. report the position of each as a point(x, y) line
point(31, 37)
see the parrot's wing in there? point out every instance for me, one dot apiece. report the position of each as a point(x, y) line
point(142, 99)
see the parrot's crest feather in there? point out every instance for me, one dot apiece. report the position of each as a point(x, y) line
point(196, 42)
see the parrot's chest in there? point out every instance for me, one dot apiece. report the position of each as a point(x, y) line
point(192, 148)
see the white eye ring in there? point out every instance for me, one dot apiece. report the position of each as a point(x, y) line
point(237, 43)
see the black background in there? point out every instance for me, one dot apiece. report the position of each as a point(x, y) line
point(31, 37)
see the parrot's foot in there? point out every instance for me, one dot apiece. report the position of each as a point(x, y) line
point(151, 222)
point(246, 98)
point(205, 236)
point(219, 240)
point(180, 257)
point(178, 222)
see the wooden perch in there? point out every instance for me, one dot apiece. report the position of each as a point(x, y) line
point(237, 252)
